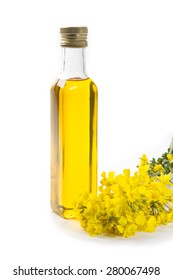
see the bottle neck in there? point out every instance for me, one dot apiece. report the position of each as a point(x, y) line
point(73, 64)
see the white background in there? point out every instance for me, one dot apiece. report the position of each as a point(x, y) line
point(130, 58)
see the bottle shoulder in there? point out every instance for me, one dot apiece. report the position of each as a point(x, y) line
point(63, 83)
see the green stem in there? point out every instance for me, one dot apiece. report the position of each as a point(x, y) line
point(171, 147)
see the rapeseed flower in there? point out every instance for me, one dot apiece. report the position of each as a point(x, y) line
point(126, 204)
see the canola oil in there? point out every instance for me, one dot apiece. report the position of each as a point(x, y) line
point(73, 142)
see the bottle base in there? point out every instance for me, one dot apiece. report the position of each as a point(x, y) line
point(66, 213)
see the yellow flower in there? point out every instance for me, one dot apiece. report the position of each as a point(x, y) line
point(122, 221)
point(111, 175)
point(130, 217)
point(94, 229)
point(170, 157)
point(158, 167)
point(126, 173)
point(120, 228)
point(151, 224)
point(163, 218)
point(130, 230)
point(140, 219)
point(143, 160)
point(165, 179)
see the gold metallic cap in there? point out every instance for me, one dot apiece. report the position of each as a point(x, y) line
point(74, 37)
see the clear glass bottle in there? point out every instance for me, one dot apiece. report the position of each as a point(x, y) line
point(73, 126)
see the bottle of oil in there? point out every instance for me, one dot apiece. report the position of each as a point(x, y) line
point(73, 126)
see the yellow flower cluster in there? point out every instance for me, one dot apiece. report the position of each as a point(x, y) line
point(127, 203)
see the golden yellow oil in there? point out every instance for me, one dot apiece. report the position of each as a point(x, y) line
point(73, 143)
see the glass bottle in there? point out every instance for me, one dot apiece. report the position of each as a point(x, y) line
point(73, 126)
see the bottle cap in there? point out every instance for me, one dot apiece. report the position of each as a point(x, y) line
point(74, 37)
